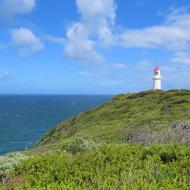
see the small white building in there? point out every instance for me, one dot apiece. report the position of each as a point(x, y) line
point(157, 79)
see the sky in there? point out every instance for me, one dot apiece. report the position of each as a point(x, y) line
point(93, 47)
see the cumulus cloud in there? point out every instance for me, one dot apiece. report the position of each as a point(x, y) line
point(181, 57)
point(5, 76)
point(143, 63)
point(86, 74)
point(112, 83)
point(96, 30)
point(119, 66)
point(55, 39)
point(26, 41)
point(97, 18)
point(173, 34)
point(9, 8)
point(91, 9)
point(3, 46)
point(79, 46)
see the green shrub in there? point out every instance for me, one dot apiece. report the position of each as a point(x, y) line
point(78, 145)
point(10, 161)
point(8, 165)
point(110, 167)
point(155, 110)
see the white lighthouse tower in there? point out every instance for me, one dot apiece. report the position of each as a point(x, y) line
point(157, 79)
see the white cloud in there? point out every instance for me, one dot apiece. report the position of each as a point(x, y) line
point(4, 76)
point(143, 63)
point(119, 66)
point(80, 47)
point(3, 46)
point(97, 18)
point(26, 42)
point(173, 34)
point(86, 74)
point(96, 8)
point(55, 39)
point(112, 82)
point(181, 58)
point(9, 8)
point(96, 30)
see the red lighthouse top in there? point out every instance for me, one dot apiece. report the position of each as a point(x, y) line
point(157, 68)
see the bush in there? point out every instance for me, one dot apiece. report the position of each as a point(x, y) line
point(155, 110)
point(78, 145)
point(110, 167)
point(180, 125)
point(8, 164)
point(10, 161)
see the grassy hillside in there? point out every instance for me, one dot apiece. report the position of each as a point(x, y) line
point(103, 148)
point(145, 118)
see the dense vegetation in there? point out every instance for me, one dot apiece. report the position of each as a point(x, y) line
point(145, 118)
point(107, 167)
point(103, 148)
point(8, 164)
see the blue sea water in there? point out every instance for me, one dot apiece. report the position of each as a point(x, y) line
point(25, 119)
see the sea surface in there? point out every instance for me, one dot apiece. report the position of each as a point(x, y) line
point(24, 119)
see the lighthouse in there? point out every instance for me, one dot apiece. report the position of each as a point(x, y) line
point(157, 79)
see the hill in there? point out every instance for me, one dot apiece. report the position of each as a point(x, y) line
point(103, 148)
point(146, 117)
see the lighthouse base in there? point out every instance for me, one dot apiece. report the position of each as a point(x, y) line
point(157, 84)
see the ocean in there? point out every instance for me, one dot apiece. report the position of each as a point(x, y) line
point(24, 119)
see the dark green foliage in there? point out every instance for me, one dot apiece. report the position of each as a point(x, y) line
point(110, 167)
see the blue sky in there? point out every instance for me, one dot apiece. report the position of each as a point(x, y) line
point(92, 47)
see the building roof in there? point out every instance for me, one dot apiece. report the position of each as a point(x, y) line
point(157, 68)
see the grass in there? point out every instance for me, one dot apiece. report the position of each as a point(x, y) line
point(102, 148)
point(149, 112)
